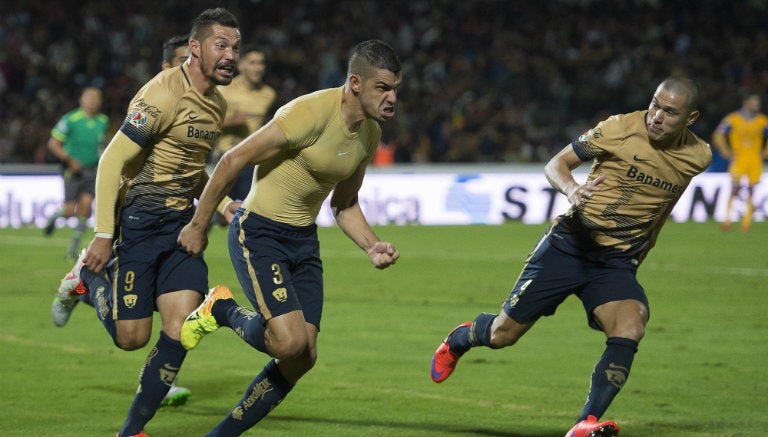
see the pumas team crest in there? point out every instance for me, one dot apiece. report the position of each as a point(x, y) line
point(137, 118)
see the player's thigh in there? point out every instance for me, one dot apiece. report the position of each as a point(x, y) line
point(265, 277)
point(264, 256)
point(754, 172)
point(608, 285)
point(548, 277)
point(135, 269)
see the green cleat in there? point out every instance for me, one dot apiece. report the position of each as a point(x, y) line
point(201, 321)
point(176, 397)
point(61, 310)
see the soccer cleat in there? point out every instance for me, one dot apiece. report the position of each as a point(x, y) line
point(61, 310)
point(141, 434)
point(444, 361)
point(590, 427)
point(71, 286)
point(176, 396)
point(201, 321)
point(67, 296)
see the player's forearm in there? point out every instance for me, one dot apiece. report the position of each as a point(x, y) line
point(353, 223)
point(560, 176)
point(214, 196)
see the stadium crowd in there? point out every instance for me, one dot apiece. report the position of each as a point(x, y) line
point(485, 81)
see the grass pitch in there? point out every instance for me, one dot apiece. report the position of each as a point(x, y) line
point(700, 371)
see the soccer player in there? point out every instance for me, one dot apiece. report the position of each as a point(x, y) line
point(150, 173)
point(641, 164)
point(249, 102)
point(175, 51)
point(741, 138)
point(315, 144)
point(75, 141)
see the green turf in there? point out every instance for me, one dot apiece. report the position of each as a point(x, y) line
point(701, 370)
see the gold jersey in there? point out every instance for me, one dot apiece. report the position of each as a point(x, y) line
point(322, 152)
point(254, 103)
point(177, 127)
point(642, 182)
point(745, 135)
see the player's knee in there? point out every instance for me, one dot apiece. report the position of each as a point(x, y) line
point(635, 332)
point(288, 348)
point(505, 331)
point(501, 339)
point(131, 341)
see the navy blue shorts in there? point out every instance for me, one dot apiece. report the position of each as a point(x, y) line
point(278, 265)
point(149, 262)
point(551, 274)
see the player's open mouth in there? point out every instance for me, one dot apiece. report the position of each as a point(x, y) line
point(227, 70)
point(388, 112)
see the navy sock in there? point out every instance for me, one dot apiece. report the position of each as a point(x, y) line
point(609, 375)
point(478, 334)
point(155, 380)
point(264, 393)
point(248, 324)
point(100, 292)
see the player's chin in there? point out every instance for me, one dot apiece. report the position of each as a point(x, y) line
point(219, 79)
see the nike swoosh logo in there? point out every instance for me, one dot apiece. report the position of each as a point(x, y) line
point(342, 153)
point(193, 116)
point(435, 374)
point(641, 159)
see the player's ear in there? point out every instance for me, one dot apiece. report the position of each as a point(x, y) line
point(354, 83)
point(692, 117)
point(194, 48)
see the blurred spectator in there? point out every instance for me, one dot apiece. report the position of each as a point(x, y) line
point(487, 80)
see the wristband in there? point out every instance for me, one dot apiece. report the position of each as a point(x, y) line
point(103, 235)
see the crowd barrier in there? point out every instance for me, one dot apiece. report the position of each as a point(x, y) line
point(413, 195)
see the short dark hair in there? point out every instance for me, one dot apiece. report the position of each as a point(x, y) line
point(248, 48)
point(201, 27)
point(171, 44)
point(373, 53)
point(685, 86)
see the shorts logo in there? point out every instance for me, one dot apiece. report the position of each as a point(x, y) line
point(137, 118)
point(130, 300)
point(281, 294)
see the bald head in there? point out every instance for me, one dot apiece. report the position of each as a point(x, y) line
point(685, 88)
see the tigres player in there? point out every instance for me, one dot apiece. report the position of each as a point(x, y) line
point(316, 143)
point(159, 156)
point(741, 137)
point(641, 164)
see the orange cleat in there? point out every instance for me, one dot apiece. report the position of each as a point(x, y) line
point(592, 428)
point(444, 361)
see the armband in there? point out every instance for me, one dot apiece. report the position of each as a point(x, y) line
point(103, 235)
